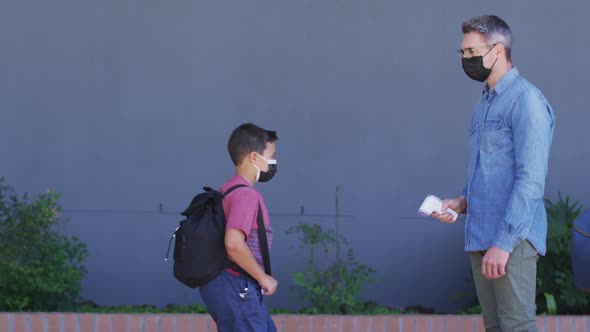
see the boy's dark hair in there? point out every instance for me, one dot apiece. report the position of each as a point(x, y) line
point(246, 138)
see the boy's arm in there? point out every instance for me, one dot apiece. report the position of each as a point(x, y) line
point(238, 250)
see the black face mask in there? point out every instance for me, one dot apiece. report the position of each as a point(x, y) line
point(473, 67)
point(267, 176)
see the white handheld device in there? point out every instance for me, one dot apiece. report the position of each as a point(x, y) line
point(434, 204)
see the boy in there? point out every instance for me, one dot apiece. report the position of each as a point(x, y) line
point(235, 297)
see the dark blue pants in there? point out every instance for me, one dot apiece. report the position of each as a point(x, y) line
point(236, 304)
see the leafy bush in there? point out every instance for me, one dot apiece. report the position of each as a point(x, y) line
point(556, 291)
point(40, 269)
point(333, 286)
point(474, 309)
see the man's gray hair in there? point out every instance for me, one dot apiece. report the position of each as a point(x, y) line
point(493, 28)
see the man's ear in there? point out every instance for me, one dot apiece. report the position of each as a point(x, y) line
point(500, 49)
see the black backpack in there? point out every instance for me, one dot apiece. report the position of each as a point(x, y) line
point(199, 246)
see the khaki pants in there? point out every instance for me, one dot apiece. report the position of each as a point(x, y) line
point(508, 303)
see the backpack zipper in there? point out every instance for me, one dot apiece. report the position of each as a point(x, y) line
point(170, 243)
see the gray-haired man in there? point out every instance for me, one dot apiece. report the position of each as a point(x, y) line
point(510, 137)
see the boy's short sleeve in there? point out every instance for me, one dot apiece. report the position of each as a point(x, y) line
point(242, 206)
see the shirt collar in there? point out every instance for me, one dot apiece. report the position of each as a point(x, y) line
point(503, 83)
point(238, 179)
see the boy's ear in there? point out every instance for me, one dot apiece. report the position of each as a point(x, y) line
point(251, 156)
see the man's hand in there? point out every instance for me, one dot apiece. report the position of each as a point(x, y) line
point(458, 204)
point(493, 264)
point(268, 284)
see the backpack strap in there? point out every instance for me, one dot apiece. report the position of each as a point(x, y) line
point(233, 188)
point(262, 239)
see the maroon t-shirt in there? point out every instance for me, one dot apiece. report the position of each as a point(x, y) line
point(241, 212)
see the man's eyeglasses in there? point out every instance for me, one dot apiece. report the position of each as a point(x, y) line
point(472, 51)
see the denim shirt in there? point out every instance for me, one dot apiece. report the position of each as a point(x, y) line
point(510, 138)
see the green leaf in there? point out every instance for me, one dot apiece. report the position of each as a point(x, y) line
point(551, 305)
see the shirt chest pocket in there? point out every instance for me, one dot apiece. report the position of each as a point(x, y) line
point(496, 137)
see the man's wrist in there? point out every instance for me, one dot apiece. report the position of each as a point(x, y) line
point(505, 242)
point(462, 204)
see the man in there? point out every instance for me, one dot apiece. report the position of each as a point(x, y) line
point(510, 137)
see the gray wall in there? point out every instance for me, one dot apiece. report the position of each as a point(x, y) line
point(125, 105)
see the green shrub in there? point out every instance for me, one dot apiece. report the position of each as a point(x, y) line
point(556, 291)
point(332, 287)
point(40, 269)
